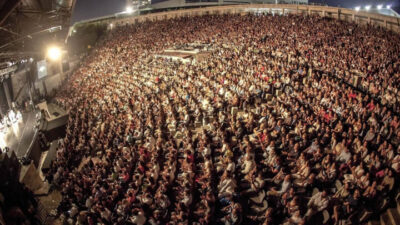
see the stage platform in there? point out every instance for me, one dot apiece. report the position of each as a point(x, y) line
point(58, 117)
point(20, 136)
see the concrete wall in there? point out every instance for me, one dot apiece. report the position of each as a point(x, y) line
point(389, 22)
point(52, 82)
point(183, 3)
point(20, 85)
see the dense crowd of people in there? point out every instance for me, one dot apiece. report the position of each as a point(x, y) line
point(290, 119)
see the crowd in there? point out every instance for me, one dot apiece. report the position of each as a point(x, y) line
point(269, 129)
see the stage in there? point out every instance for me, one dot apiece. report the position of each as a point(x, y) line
point(20, 136)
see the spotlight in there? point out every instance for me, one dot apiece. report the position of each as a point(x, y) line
point(42, 69)
point(129, 9)
point(31, 60)
point(357, 8)
point(379, 7)
point(368, 7)
point(54, 53)
point(389, 6)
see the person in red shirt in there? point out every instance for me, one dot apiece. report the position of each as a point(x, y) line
point(352, 95)
point(371, 106)
point(327, 117)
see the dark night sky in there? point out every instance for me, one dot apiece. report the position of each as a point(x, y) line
point(88, 9)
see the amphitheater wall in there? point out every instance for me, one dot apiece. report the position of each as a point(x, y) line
point(349, 15)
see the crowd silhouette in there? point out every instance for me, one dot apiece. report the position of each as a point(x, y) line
point(289, 120)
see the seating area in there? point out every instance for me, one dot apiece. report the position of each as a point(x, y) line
point(289, 120)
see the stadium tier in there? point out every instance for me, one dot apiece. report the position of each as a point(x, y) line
point(222, 115)
point(287, 119)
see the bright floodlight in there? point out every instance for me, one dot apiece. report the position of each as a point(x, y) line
point(54, 53)
point(129, 9)
point(368, 7)
point(389, 6)
point(358, 8)
point(379, 6)
point(42, 69)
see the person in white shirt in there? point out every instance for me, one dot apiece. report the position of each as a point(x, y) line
point(248, 165)
point(227, 185)
point(138, 217)
point(317, 203)
point(344, 156)
point(295, 219)
point(284, 188)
